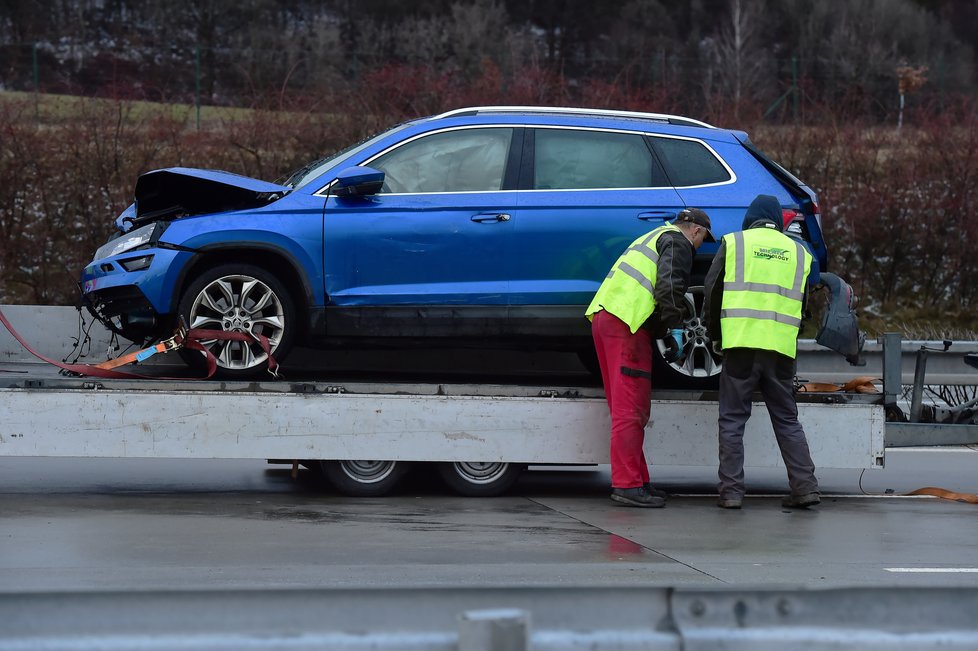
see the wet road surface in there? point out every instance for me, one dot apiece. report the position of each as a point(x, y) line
point(132, 524)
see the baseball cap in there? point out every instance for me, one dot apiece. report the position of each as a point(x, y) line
point(698, 217)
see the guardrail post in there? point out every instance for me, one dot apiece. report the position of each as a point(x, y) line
point(892, 367)
point(916, 398)
point(505, 629)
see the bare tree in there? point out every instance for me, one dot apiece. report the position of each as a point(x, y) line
point(738, 63)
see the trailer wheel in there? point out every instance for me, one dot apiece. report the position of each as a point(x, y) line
point(363, 478)
point(480, 479)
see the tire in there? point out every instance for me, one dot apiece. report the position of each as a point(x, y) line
point(700, 368)
point(476, 479)
point(365, 478)
point(239, 298)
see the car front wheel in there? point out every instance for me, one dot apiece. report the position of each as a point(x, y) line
point(244, 299)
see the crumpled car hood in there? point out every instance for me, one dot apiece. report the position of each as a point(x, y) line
point(183, 191)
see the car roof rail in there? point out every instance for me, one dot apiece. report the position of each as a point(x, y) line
point(560, 110)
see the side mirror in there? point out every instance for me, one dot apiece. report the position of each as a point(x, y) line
point(358, 182)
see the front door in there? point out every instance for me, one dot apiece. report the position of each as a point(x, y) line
point(433, 246)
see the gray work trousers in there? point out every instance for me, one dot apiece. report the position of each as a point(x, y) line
point(746, 370)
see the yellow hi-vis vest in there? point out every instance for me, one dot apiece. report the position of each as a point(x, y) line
point(763, 290)
point(628, 291)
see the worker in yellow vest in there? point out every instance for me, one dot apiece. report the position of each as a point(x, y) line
point(641, 298)
point(755, 297)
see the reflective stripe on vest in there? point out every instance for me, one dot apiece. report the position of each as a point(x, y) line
point(628, 291)
point(763, 291)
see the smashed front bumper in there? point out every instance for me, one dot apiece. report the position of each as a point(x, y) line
point(132, 293)
point(124, 311)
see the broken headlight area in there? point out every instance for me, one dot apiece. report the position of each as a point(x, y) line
point(138, 238)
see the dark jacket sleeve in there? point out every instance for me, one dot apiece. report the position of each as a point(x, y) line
point(713, 293)
point(672, 280)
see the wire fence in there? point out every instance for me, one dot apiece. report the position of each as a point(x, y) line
point(769, 89)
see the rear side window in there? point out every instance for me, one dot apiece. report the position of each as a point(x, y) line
point(463, 160)
point(566, 159)
point(689, 162)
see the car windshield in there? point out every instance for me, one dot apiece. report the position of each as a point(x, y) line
point(306, 174)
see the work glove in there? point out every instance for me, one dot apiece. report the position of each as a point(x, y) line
point(717, 348)
point(674, 345)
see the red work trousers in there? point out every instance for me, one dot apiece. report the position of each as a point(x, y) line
point(626, 370)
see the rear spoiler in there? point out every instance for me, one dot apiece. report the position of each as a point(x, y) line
point(783, 175)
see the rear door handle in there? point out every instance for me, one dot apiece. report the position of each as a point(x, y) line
point(486, 217)
point(654, 215)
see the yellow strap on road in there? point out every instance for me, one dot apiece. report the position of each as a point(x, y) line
point(945, 494)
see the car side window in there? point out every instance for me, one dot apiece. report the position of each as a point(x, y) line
point(566, 159)
point(689, 162)
point(462, 160)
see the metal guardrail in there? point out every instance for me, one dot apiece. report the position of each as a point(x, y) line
point(816, 362)
point(496, 619)
point(51, 329)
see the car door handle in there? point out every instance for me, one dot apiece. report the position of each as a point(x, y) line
point(485, 217)
point(663, 215)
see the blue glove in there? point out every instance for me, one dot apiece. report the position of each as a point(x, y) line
point(674, 345)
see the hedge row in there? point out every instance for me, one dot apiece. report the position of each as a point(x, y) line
point(896, 205)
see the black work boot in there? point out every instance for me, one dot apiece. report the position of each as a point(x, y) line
point(801, 501)
point(730, 502)
point(656, 492)
point(636, 497)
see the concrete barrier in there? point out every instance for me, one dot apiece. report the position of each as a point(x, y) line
point(503, 619)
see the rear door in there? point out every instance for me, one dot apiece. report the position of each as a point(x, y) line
point(586, 194)
point(719, 177)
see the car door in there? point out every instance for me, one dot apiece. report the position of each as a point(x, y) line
point(438, 233)
point(585, 195)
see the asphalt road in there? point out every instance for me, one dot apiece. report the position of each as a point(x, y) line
point(132, 524)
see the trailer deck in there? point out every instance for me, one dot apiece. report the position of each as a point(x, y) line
point(46, 414)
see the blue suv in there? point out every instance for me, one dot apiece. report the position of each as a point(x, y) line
point(488, 225)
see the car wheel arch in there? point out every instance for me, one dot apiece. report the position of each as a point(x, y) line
point(273, 260)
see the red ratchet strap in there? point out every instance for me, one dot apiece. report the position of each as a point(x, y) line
point(190, 339)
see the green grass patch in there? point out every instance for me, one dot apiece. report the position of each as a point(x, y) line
point(55, 109)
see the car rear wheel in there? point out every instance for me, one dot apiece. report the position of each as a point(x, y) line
point(700, 368)
point(239, 298)
point(365, 478)
point(480, 479)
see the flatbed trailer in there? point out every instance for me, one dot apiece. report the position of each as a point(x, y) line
point(480, 436)
point(365, 430)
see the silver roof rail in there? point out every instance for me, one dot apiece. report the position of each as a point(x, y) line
point(674, 119)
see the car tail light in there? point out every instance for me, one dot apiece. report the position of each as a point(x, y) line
point(788, 215)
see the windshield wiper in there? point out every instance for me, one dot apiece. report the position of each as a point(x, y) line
point(293, 179)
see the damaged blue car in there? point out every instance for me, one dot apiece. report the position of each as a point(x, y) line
point(491, 226)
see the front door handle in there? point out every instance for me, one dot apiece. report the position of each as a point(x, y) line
point(486, 217)
point(657, 215)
